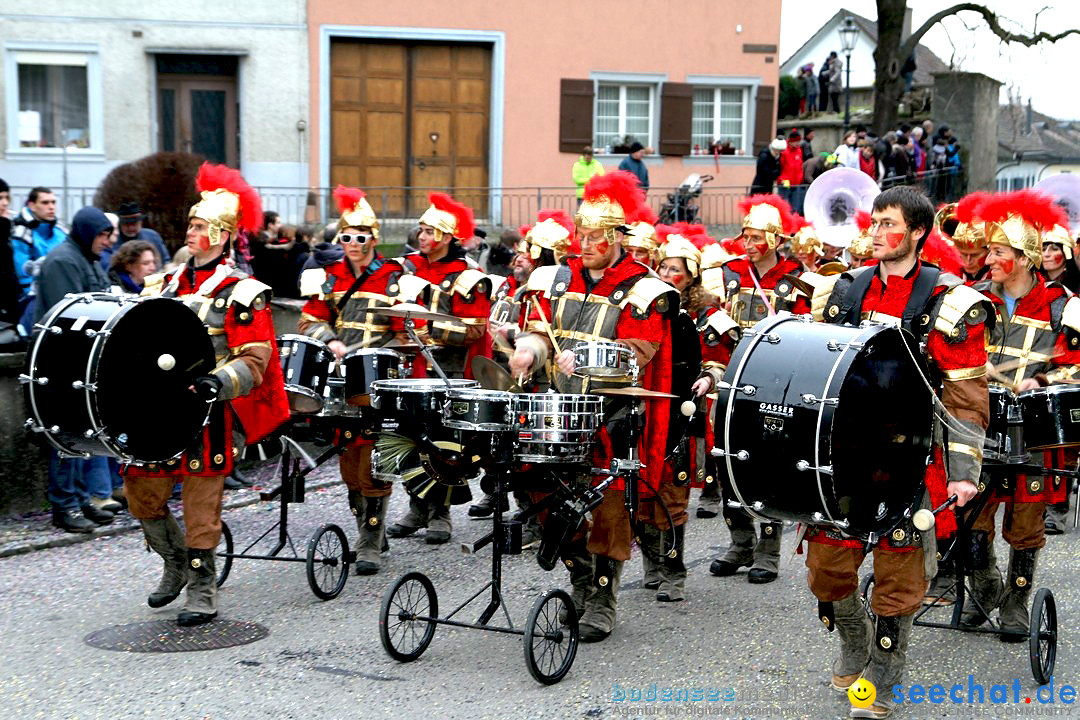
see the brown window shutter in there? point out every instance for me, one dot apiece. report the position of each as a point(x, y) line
point(676, 114)
point(575, 115)
point(764, 117)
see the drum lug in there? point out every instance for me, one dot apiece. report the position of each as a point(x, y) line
point(91, 434)
point(810, 399)
point(720, 452)
point(48, 328)
point(771, 338)
point(80, 385)
point(23, 379)
point(91, 333)
point(747, 390)
point(803, 466)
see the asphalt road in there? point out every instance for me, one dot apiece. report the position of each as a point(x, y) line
point(760, 646)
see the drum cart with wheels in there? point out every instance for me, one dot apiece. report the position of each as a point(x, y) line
point(1043, 625)
point(327, 557)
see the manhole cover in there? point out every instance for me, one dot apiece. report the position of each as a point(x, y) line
point(165, 636)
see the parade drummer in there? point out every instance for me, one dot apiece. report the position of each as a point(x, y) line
point(459, 291)
point(861, 250)
point(949, 319)
point(605, 295)
point(805, 245)
point(959, 224)
point(1035, 342)
point(246, 392)
point(640, 239)
point(335, 313)
point(754, 287)
point(698, 328)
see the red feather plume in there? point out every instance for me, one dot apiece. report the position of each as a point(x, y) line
point(466, 226)
point(642, 213)
point(734, 245)
point(347, 198)
point(1034, 207)
point(618, 186)
point(222, 177)
point(798, 222)
point(523, 230)
point(786, 215)
point(663, 231)
point(965, 209)
point(863, 220)
point(559, 216)
point(939, 251)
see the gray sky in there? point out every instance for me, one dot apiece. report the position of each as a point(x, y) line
point(1045, 73)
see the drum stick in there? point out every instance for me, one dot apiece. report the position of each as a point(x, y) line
point(547, 326)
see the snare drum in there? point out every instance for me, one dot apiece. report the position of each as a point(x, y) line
point(478, 410)
point(1051, 417)
point(602, 359)
point(305, 365)
point(360, 368)
point(555, 428)
point(825, 424)
point(94, 352)
point(412, 404)
point(1005, 432)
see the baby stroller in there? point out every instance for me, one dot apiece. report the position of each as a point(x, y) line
point(680, 206)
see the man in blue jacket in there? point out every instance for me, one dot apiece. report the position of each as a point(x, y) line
point(34, 232)
point(633, 163)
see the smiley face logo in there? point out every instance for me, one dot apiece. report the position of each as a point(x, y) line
point(862, 693)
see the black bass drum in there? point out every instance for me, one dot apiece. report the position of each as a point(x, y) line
point(110, 375)
point(825, 424)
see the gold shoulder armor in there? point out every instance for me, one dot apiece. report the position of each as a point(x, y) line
point(823, 287)
point(154, 284)
point(542, 278)
point(467, 281)
point(960, 303)
point(712, 279)
point(410, 287)
point(311, 282)
point(247, 291)
point(721, 322)
point(645, 291)
point(1070, 316)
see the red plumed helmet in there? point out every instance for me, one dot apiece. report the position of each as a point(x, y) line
point(753, 218)
point(662, 232)
point(618, 188)
point(966, 208)
point(247, 215)
point(940, 252)
point(863, 220)
point(523, 230)
point(798, 222)
point(347, 198)
point(734, 245)
point(464, 227)
point(1033, 207)
point(642, 213)
point(559, 216)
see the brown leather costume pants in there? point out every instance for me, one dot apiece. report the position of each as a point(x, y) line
point(148, 499)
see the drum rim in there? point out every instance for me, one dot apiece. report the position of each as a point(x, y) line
point(59, 308)
point(478, 393)
point(364, 352)
point(1056, 389)
point(305, 339)
point(420, 385)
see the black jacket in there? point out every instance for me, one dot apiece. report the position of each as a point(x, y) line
point(71, 267)
point(768, 169)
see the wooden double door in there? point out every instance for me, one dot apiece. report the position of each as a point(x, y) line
point(406, 119)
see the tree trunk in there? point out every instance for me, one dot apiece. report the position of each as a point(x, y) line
point(888, 83)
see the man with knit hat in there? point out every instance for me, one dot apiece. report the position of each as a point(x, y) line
point(246, 393)
point(338, 295)
point(604, 295)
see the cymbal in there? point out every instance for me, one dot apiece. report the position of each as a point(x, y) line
point(490, 374)
point(404, 347)
point(412, 310)
point(637, 392)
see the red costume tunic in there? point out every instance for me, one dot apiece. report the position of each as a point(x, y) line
point(325, 287)
point(742, 300)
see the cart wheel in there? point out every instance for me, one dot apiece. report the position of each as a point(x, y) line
point(1042, 645)
point(327, 561)
point(866, 591)
point(550, 645)
point(407, 618)
point(224, 551)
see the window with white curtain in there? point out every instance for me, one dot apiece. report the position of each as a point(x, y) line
point(720, 115)
point(623, 110)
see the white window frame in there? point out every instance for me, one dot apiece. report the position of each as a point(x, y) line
point(94, 98)
point(623, 80)
point(748, 85)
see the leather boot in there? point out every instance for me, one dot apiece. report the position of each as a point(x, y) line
point(414, 519)
point(766, 555)
point(599, 618)
point(71, 521)
point(1057, 518)
point(854, 626)
point(673, 571)
point(532, 533)
point(709, 501)
point(942, 590)
point(888, 655)
point(163, 536)
point(439, 526)
point(486, 506)
point(984, 581)
point(1014, 609)
point(370, 515)
point(579, 562)
point(201, 605)
point(740, 553)
point(649, 539)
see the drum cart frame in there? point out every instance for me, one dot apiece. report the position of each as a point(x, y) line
point(327, 558)
point(1043, 626)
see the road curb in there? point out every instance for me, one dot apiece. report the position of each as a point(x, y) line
point(54, 541)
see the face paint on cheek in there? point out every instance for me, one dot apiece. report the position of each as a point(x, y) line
point(677, 278)
point(1007, 266)
point(204, 242)
point(762, 247)
point(894, 239)
point(601, 246)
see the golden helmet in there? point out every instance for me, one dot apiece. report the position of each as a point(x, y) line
point(607, 200)
point(769, 213)
point(1018, 219)
point(552, 231)
point(449, 216)
point(805, 240)
point(355, 210)
point(227, 203)
point(1058, 234)
point(683, 241)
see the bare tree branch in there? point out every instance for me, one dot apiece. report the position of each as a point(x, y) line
point(991, 18)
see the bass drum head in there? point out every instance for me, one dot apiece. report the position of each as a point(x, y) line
point(148, 412)
point(881, 434)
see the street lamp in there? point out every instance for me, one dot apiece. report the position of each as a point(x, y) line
point(848, 35)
